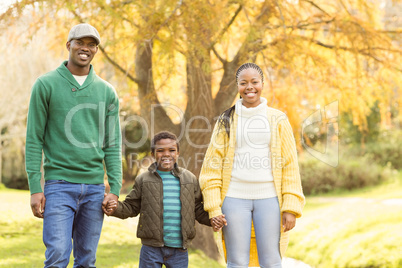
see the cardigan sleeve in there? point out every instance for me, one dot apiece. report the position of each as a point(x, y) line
point(292, 193)
point(200, 214)
point(211, 172)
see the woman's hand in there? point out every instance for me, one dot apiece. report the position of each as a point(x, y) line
point(288, 221)
point(218, 222)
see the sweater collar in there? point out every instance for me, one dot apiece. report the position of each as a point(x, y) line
point(175, 171)
point(243, 111)
point(63, 71)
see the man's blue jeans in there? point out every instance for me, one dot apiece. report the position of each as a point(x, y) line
point(73, 218)
point(154, 257)
point(265, 214)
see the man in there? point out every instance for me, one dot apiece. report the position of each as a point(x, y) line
point(73, 118)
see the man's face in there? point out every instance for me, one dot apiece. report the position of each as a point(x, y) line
point(82, 51)
point(165, 154)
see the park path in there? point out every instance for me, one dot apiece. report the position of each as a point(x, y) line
point(351, 200)
point(323, 215)
point(292, 263)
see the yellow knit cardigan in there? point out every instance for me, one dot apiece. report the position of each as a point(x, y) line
point(217, 169)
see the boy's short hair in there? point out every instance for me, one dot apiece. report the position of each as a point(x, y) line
point(163, 135)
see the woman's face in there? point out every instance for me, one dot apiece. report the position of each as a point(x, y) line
point(250, 86)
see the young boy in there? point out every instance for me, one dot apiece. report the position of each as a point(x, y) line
point(168, 199)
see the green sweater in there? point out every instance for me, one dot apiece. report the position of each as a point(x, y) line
point(77, 127)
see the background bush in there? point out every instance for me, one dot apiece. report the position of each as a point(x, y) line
point(356, 169)
point(387, 150)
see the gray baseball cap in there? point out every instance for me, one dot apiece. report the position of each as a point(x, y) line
point(84, 30)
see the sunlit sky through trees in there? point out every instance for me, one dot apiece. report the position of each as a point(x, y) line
point(4, 4)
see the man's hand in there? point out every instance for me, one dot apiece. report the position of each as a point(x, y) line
point(110, 207)
point(38, 202)
point(109, 204)
point(288, 221)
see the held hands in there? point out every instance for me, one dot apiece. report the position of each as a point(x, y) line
point(218, 222)
point(109, 204)
point(38, 202)
point(110, 208)
point(288, 221)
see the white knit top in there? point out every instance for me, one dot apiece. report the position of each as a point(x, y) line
point(80, 78)
point(252, 172)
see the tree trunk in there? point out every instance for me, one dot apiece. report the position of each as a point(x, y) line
point(198, 119)
point(198, 129)
point(198, 115)
point(150, 108)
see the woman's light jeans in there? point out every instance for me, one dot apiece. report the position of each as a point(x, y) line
point(265, 214)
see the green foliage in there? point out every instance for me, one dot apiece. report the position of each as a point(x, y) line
point(13, 168)
point(358, 166)
point(351, 173)
point(355, 133)
point(136, 146)
point(387, 150)
point(134, 135)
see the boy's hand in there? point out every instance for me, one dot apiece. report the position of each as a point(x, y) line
point(218, 222)
point(109, 205)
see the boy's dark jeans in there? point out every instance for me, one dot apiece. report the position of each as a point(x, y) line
point(154, 257)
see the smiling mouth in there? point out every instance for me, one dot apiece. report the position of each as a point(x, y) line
point(251, 94)
point(83, 56)
point(166, 161)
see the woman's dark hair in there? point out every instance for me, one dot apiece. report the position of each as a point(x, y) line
point(227, 116)
point(163, 135)
point(249, 65)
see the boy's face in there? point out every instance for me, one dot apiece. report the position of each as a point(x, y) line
point(165, 154)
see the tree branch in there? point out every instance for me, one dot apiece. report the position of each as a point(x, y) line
point(115, 64)
point(17, 8)
point(248, 51)
point(316, 6)
point(218, 56)
point(179, 4)
point(282, 17)
point(299, 26)
point(390, 31)
point(344, 6)
point(360, 51)
point(224, 30)
point(112, 10)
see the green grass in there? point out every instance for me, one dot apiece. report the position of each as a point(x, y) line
point(346, 229)
point(21, 238)
point(351, 229)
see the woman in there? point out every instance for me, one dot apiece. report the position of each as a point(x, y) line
point(250, 177)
